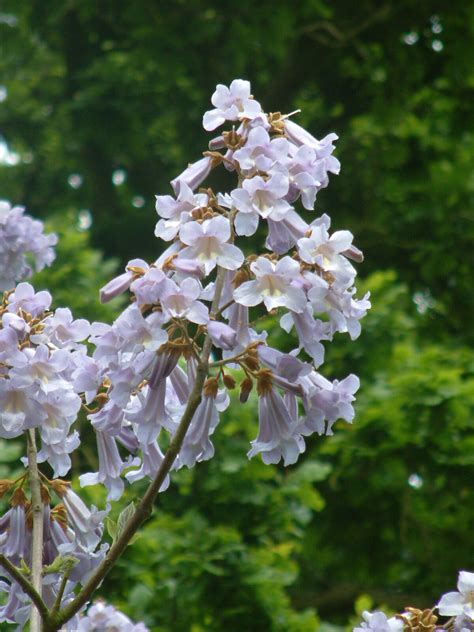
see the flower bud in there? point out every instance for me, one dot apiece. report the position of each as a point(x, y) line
point(210, 388)
point(5, 486)
point(59, 486)
point(251, 361)
point(45, 497)
point(245, 389)
point(241, 276)
point(18, 498)
point(264, 381)
point(229, 381)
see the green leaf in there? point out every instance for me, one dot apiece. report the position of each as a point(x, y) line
point(122, 520)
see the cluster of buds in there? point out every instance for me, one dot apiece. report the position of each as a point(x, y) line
point(457, 605)
point(23, 245)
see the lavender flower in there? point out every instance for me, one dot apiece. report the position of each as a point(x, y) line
point(231, 104)
point(21, 240)
point(101, 618)
point(460, 602)
point(378, 622)
point(273, 284)
point(278, 434)
point(207, 242)
point(260, 198)
point(111, 467)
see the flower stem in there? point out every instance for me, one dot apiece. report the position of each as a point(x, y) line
point(37, 531)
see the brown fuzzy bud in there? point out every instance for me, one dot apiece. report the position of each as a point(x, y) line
point(241, 276)
point(59, 486)
point(45, 497)
point(251, 362)
point(211, 386)
point(18, 498)
point(229, 381)
point(5, 486)
point(245, 389)
point(59, 514)
point(264, 381)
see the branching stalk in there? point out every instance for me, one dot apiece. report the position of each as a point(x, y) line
point(25, 585)
point(145, 506)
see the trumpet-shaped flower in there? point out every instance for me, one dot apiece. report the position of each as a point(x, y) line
point(260, 198)
point(274, 285)
point(207, 242)
point(231, 104)
point(278, 434)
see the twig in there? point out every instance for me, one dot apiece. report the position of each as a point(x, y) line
point(224, 307)
point(25, 585)
point(62, 588)
point(224, 361)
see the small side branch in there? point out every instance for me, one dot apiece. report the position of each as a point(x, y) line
point(18, 576)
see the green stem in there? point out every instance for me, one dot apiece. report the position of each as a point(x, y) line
point(25, 585)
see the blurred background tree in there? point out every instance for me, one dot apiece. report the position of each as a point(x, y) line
point(100, 106)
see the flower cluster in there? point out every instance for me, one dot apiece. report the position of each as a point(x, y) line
point(23, 245)
point(41, 354)
point(71, 544)
point(150, 354)
point(458, 605)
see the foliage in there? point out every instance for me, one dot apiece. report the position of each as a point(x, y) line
point(78, 272)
